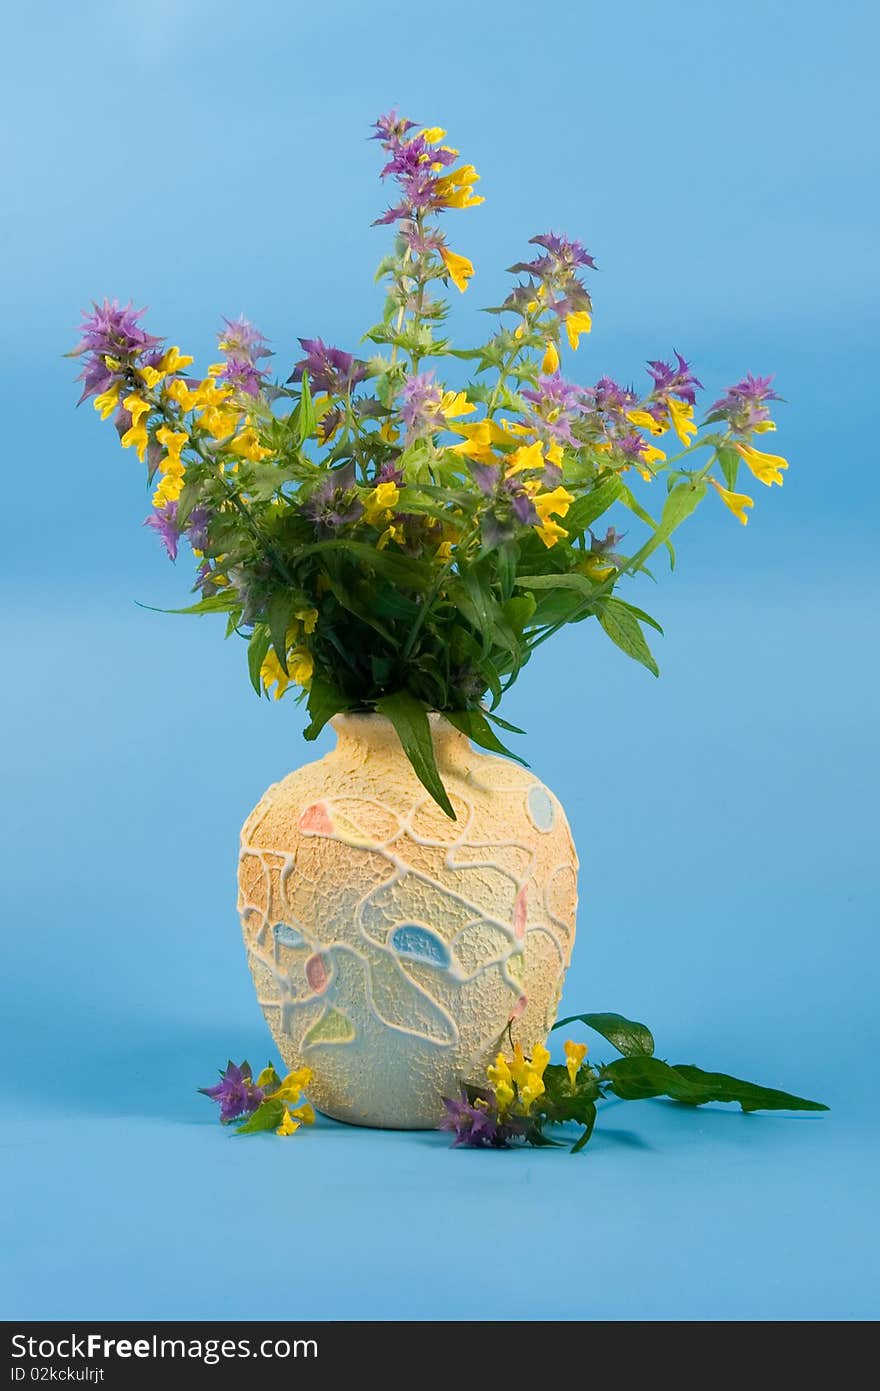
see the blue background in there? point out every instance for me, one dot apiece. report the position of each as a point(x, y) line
point(718, 161)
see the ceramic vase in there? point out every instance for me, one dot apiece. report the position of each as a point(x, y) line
point(393, 950)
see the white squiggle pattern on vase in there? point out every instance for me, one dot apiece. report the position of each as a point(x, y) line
point(390, 947)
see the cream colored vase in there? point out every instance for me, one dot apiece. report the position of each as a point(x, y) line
point(390, 946)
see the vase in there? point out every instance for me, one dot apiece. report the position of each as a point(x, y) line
point(394, 950)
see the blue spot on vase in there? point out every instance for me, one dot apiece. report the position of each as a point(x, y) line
point(420, 944)
point(541, 809)
point(287, 936)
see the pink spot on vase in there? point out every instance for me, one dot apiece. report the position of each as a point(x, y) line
point(316, 820)
point(519, 914)
point(317, 974)
point(518, 1008)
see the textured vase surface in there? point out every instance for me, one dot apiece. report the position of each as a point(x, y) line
point(391, 946)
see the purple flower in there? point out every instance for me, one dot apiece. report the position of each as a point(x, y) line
point(389, 473)
point(743, 405)
point(163, 520)
point(239, 338)
point(110, 331)
point(610, 398)
point(474, 1125)
point(559, 403)
point(391, 127)
point(674, 380)
point(335, 503)
point(242, 375)
point(235, 1093)
point(196, 527)
point(329, 369)
point(420, 399)
point(565, 252)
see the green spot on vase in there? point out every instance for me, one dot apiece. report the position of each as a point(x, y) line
point(332, 1027)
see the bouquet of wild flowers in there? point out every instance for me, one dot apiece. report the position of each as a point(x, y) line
point(385, 542)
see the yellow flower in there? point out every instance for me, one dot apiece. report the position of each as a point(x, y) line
point(293, 1085)
point(595, 567)
point(387, 433)
point(173, 360)
point(574, 1056)
point(391, 533)
point(208, 393)
point(556, 503)
point(136, 406)
point(305, 1113)
point(682, 416)
point(454, 190)
point(576, 324)
point(169, 489)
point(534, 1087)
point(767, 468)
point(479, 436)
point(300, 666)
point(646, 421)
point(550, 532)
point(737, 502)
point(220, 422)
point(288, 1125)
point(650, 455)
point(151, 377)
point(179, 392)
point(173, 441)
point(105, 404)
point(550, 362)
point(308, 618)
point(137, 436)
point(499, 1073)
point(383, 497)
point(519, 1068)
point(528, 456)
point(455, 403)
point(433, 134)
point(459, 268)
point(540, 1059)
point(247, 446)
point(505, 1096)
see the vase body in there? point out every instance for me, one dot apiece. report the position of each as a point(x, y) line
point(391, 946)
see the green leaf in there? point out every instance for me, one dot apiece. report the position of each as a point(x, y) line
point(324, 702)
point(679, 505)
point(268, 1079)
point(410, 719)
point(623, 628)
point(588, 1130)
point(560, 1103)
point(729, 462)
point(257, 649)
point(503, 724)
point(635, 1079)
point(590, 507)
point(473, 723)
point(629, 500)
point(307, 420)
point(557, 581)
point(279, 615)
point(268, 1116)
point(750, 1096)
point(215, 603)
point(628, 1036)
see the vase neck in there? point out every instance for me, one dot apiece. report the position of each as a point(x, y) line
point(373, 732)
